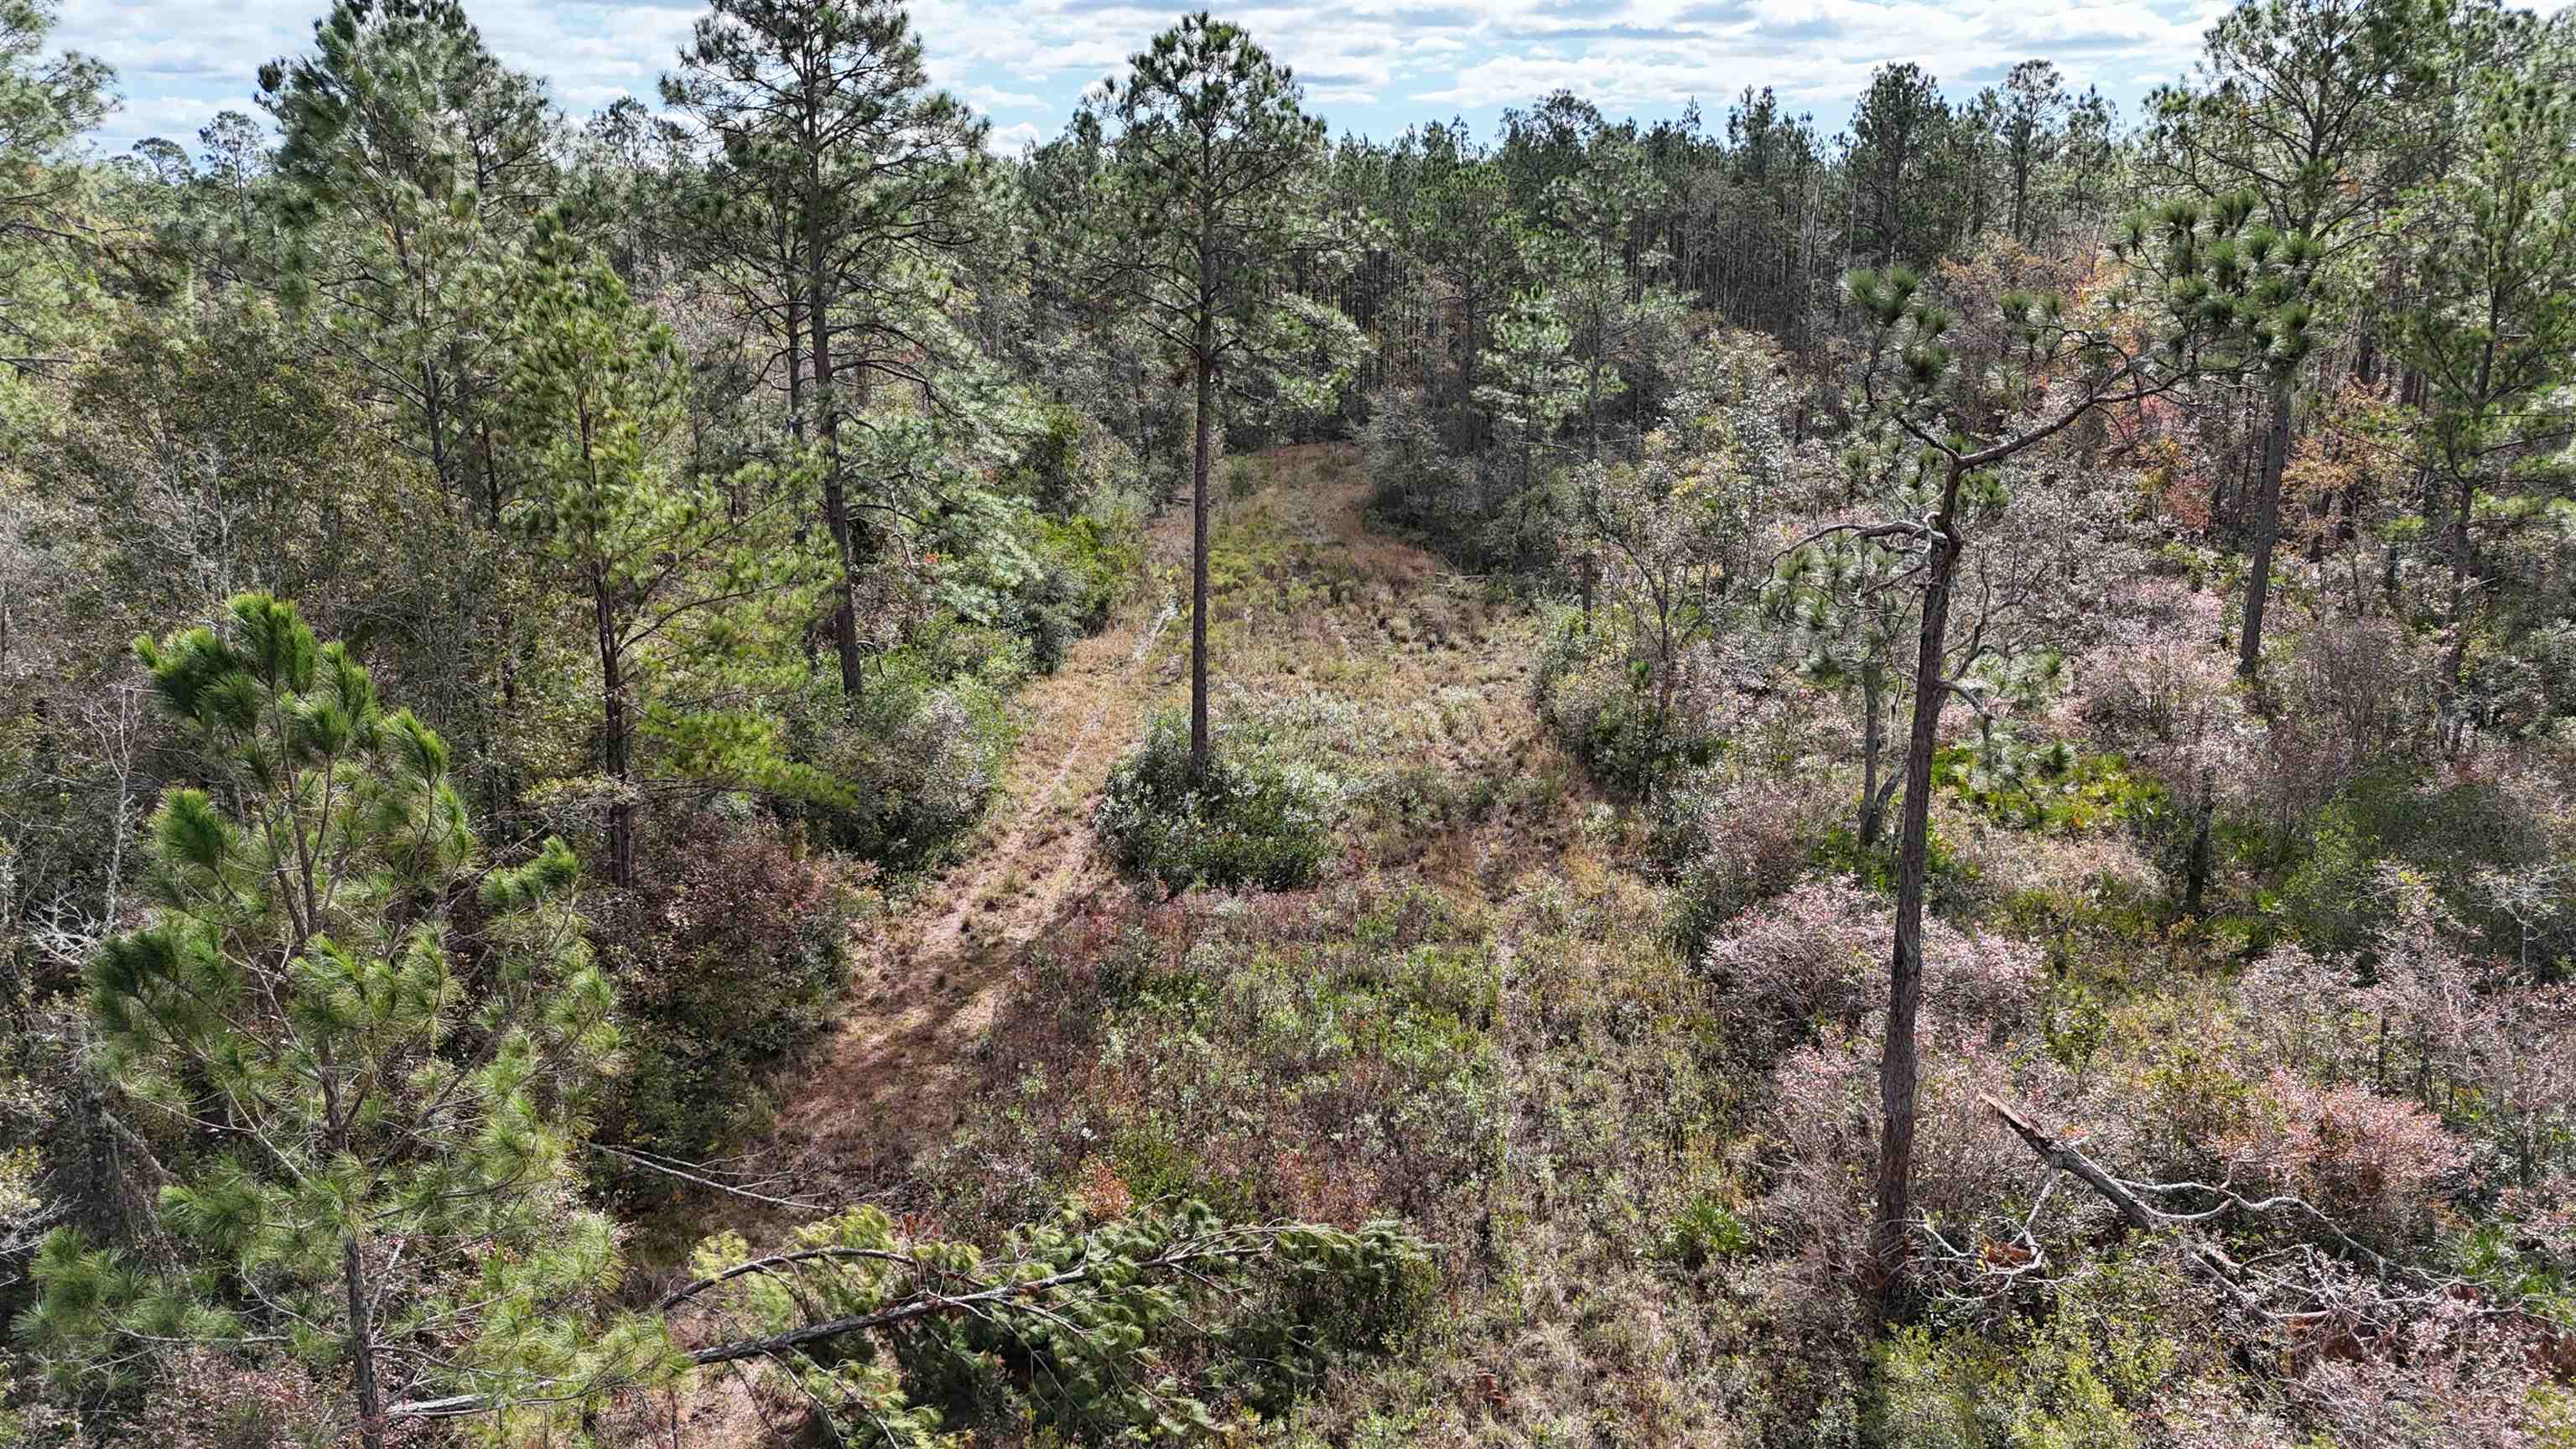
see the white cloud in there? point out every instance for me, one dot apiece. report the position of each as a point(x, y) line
point(994, 98)
point(1369, 65)
point(1012, 139)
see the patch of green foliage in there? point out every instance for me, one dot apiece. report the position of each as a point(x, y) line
point(2068, 1376)
point(1085, 566)
point(1252, 819)
point(917, 756)
point(1704, 1231)
point(2056, 789)
point(1596, 687)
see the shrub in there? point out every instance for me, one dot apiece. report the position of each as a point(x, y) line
point(1705, 1229)
point(210, 1402)
point(1416, 482)
point(2375, 1165)
point(1253, 820)
point(917, 758)
point(1071, 464)
point(1596, 687)
point(1239, 477)
point(2460, 833)
point(728, 957)
point(2355, 700)
point(1737, 843)
point(1818, 954)
point(1085, 565)
point(2105, 1352)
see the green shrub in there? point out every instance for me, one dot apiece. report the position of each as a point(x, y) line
point(2053, 789)
point(1084, 567)
point(2464, 835)
point(917, 755)
point(1706, 1230)
point(1253, 820)
point(1070, 464)
point(1239, 477)
point(1596, 687)
point(2077, 1371)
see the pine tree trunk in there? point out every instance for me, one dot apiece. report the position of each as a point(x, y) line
point(355, 1299)
point(2021, 187)
point(2266, 524)
point(616, 734)
point(1899, 1068)
point(362, 1347)
point(836, 507)
point(2463, 556)
point(795, 370)
point(1202, 446)
point(2455, 658)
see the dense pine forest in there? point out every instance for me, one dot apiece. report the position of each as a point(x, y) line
point(739, 772)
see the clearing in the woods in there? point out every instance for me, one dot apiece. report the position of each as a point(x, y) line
point(1373, 1046)
point(1310, 603)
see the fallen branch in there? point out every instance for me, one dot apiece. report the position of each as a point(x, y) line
point(2204, 1256)
point(922, 1303)
point(651, 1162)
point(2244, 1283)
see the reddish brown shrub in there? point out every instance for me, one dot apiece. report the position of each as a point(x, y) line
point(727, 957)
point(2375, 1165)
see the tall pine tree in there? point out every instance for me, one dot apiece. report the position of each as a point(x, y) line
point(835, 182)
point(1200, 222)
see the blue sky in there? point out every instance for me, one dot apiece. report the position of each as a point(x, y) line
point(1372, 66)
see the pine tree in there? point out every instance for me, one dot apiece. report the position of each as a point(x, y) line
point(1844, 600)
point(1532, 386)
point(376, 1041)
point(410, 159)
point(837, 183)
point(1472, 245)
point(2494, 339)
point(1596, 255)
point(2208, 291)
point(46, 102)
point(675, 572)
point(2307, 105)
point(1199, 223)
point(2034, 112)
point(1898, 129)
point(408, 163)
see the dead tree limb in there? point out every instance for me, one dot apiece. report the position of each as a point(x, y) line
point(2243, 1283)
point(2203, 1255)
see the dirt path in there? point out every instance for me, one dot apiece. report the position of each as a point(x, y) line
point(888, 1083)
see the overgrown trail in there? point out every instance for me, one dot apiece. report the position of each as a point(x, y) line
point(887, 1083)
point(1378, 623)
point(1403, 674)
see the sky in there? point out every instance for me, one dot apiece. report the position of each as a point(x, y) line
point(1370, 67)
